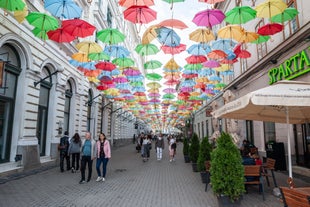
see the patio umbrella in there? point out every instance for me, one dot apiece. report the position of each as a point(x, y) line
point(60, 35)
point(139, 14)
point(78, 27)
point(67, 9)
point(202, 35)
point(270, 8)
point(287, 15)
point(173, 49)
point(129, 3)
point(270, 29)
point(209, 17)
point(42, 21)
point(12, 5)
point(240, 15)
point(89, 47)
point(110, 36)
point(146, 49)
point(173, 23)
point(288, 102)
point(152, 64)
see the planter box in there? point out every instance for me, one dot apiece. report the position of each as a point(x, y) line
point(224, 201)
point(205, 177)
point(186, 159)
point(194, 166)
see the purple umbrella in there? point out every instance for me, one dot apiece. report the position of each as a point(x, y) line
point(169, 90)
point(131, 72)
point(209, 17)
point(211, 64)
point(154, 95)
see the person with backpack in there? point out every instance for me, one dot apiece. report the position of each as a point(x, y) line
point(63, 150)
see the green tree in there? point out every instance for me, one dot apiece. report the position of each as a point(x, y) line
point(194, 148)
point(185, 147)
point(204, 153)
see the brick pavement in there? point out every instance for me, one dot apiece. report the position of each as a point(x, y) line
point(129, 182)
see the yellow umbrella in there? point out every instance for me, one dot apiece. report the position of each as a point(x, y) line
point(202, 80)
point(20, 15)
point(149, 34)
point(171, 64)
point(89, 47)
point(202, 35)
point(112, 92)
point(153, 85)
point(223, 67)
point(93, 79)
point(249, 37)
point(231, 32)
point(81, 57)
point(270, 8)
point(153, 90)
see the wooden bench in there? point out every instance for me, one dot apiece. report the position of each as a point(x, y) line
point(207, 165)
point(269, 165)
point(294, 197)
point(254, 172)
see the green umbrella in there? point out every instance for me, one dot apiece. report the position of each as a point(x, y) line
point(168, 96)
point(110, 36)
point(287, 15)
point(42, 21)
point(180, 102)
point(137, 83)
point(40, 33)
point(220, 85)
point(261, 39)
point(193, 66)
point(153, 76)
point(12, 5)
point(98, 56)
point(239, 15)
point(146, 49)
point(152, 64)
point(123, 62)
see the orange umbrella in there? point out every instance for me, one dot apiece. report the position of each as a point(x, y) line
point(217, 54)
point(249, 37)
point(202, 35)
point(173, 23)
point(231, 32)
point(81, 57)
point(149, 34)
point(129, 3)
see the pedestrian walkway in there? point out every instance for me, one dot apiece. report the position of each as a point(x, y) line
point(129, 183)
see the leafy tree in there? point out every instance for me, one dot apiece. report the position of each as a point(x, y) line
point(204, 153)
point(194, 148)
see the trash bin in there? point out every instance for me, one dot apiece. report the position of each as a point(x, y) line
point(275, 150)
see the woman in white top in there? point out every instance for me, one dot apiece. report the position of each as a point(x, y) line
point(172, 148)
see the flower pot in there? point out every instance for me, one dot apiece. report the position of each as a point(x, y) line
point(224, 201)
point(205, 177)
point(187, 158)
point(194, 166)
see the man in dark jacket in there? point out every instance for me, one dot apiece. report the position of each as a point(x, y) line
point(63, 149)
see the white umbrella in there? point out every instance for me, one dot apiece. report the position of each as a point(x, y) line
point(284, 102)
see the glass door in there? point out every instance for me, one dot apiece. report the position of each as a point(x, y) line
point(5, 131)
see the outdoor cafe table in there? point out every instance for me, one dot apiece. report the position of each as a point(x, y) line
point(305, 190)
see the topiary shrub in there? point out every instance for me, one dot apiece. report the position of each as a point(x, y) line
point(185, 147)
point(194, 148)
point(204, 154)
point(227, 172)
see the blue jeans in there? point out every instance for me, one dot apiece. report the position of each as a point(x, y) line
point(104, 162)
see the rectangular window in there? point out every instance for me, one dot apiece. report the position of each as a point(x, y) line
point(269, 131)
point(249, 131)
point(262, 47)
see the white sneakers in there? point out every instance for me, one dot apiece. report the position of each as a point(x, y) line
point(99, 179)
point(103, 179)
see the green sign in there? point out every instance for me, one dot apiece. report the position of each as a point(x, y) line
point(291, 68)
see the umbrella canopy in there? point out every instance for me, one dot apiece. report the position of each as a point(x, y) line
point(20, 15)
point(88, 47)
point(249, 37)
point(140, 14)
point(287, 15)
point(12, 5)
point(173, 23)
point(240, 15)
point(146, 49)
point(223, 44)
point(116, 51)
point(149, 34)
point(152, 64)
point(270, 29)
point(209, 17)
point(231, 32)
point(42, 21)
point(67, 9)
point(261, 39)
point(153, 76)
point(40, 33)
point(173, 49)
point(107, 66)
point(110, 36)
point(60, 35)
point(98, 56)
point(270, 8)
point(202, 35)
point(123, 62)
point(129, 3)
point(199, 49)
point(78, 27)
point(80, 57)
point(193, 59)
point(284, 102)
point(167, 36)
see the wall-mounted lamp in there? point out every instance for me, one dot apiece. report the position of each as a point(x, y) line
point(110, 102)
point(42, 79)
point(90, 102)
point(116, 110)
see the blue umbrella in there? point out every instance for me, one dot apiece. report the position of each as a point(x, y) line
point(167, 36)
point(215, 78)
point(123, 86)
point(230, 55)
point(199, 49)
point(135, 78)
point(227, 72)
point(206, 72)
point(116, 51)
point(223, 44)
point(67, 9)
point(138, 89)
point(115, 72)
point(188, 83)
point(105, 73)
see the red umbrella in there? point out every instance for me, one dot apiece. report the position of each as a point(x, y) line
point(225, 61)
point(192, 75)
point(78, 27)
point(172, 82)
point(140, 14)
point(60, 35)
point(173, 23)
point(129, 3)
point(244, 54)
point(107, 66)
point(270, 29)
point(217, 54)
point(103, 87)
point(194, 59)
point(173, 50)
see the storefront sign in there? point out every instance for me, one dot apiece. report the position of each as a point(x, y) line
point(291, 68)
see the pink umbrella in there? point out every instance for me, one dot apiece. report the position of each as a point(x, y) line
point(154, 95)
point(154, 100)
point(187, 89)
point(169, 90)
point(171, 82)
point(120, 79)
point(211, 64)
point(209, 17)
point(131, 72)
point(173, 50)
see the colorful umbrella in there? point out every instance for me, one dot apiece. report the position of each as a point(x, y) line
point(211, 64)
point(78, 27)
point(20, 15)
point(231, 32)
point(168, 96)
point(244, 54)
point(116, 51)
point(240, 15)
point(146, 49)
point(173, 23)
point(98, 56)
point(110, 36)
point(42, 21)
point(223, 44)
point(270, 8)
point(123, 62)
point(153, 85)
point(149, 34)
point(12, 5)
point(193, 59)
point(89, 47)
point(132, 72)
point(169, 90)
point(199, 49)
point(172, 64)
point(152, 64)
point(153, 76)
point(81, 57)
point(249, 37)
point(60, 35)
point(167, 36)
point(209, 17)
point(40, 33)
point(105, 66)
point(202, 35)
point(139, 14)
point(270, 29)
point(173, 49)
point(129, 3)
point(287, 15)
point(261, 39)
point(217, 54)
point(67, 9)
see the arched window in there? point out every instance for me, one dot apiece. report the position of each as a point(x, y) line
point(89, 112)
point(68, 98)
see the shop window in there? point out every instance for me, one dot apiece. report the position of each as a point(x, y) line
point(67, 109)
point(269, 131)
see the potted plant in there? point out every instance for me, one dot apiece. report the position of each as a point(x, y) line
point(194, 151)
point(204, 155)
point(227, 173)
point(186, 150)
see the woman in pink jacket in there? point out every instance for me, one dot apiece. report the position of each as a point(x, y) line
point(103, 156)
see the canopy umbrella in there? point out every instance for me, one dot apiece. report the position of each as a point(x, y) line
point(149, 34)
point(98, 56)
point(20, 15)
point(123, 62)
point(40, 33)
point(12, 5)
point(120, 79)
point(270, 8)
point(67, 9)
point(287, 15)
point(168, 96)
point(199, 49)
point(60, 35)
point(153, 76)
point(249, 37)
point(209, 17)
point(231, 32)
point(194, 59)
point(42, 21)
point(217, 54)
point(196, 66)
point(107, 66)
point(288, 102)
point(202, 80)
point(132, 72)
point(139, 14)
point(153, 95)
point(146, 49)
point(244, 54)
point(202, 35)
point(167, 36)
point(116, 51)
point(171, 82)
point(81, 57)
point(173, 23)
point(129, 3)
point(152, 64)
point(153, 85)
point(270, 29)
point(223, 44)
point(110, 36)
point(173, 49)
point(211, 64)
point(223, 67)
point(78, 27)
point(169, 90)
point(190, 75)
point(240, 15)
point(261, 39)
point(88, 47)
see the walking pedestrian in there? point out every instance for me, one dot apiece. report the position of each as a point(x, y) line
point(63, 150)
point(146, 144)
point(74, 151)
point(172, 148)
point(103, 156)
point(159, 145)
point(88, 152)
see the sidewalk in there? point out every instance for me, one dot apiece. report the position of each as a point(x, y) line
point(129, 182)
